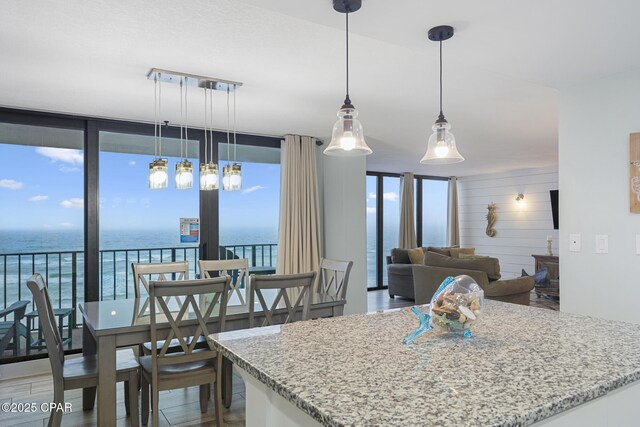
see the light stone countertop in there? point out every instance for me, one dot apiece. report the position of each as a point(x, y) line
point(522, 365)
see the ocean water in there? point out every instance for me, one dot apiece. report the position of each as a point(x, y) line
point(58, 256)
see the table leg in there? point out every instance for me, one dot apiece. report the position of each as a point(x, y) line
point(89, 348)
point(227, 381)
point(107, 381)
point(28, 335)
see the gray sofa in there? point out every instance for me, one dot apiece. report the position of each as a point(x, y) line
point(419, 282)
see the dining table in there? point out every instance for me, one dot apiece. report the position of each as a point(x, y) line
point(117, 323)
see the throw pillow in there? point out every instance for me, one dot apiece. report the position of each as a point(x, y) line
point(489, 265)
point(441, 251)
point(455, 252)
point(416, 256)
point(400, 256)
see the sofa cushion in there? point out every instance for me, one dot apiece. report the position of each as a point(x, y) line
point(456, 252)
point(441, 251)
point(474, 256)
point(491, 266)
point(400, 256)
point(416, 255)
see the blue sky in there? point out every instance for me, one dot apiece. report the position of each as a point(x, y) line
point(42, 188)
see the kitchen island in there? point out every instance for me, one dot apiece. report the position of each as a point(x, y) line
point(523, 365)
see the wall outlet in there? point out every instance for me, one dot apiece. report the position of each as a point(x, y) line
point(602, 243)
point(574, 243)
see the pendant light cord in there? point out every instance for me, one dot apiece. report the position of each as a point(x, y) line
point(234, 123)
point(186, 121)
point(346, 99)
point(211, 122)
point(155, 115)
point(181, 116)
point(441, 115)
point(160, 115)
point(228, 137)
point(205, 125)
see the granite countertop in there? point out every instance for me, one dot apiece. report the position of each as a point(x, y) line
point(522, 365)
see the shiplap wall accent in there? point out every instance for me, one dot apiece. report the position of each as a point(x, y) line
point(521, 232)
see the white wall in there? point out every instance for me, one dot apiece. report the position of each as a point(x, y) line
point(345, 238)
point(521, 231)
point(595, 122)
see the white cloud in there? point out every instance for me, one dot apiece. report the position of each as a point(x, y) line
point(371, 210)
point(372, 195)
point(132, 162)
point(38, 198)
point(252, 189)
point(65, 155)
point(390, 196)
point(73, 203)
point(67, 225)
point(68, 169)
point(11, 184)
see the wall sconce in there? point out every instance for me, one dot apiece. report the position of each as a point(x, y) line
point(519, 200)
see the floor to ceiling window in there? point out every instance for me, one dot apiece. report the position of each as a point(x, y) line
point(383, 218)
point(249, 217)
point(138, 224)
point(41, 228)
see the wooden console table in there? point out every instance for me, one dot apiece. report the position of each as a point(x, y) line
point(552, 263)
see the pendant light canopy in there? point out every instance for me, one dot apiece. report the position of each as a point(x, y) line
point(441, 148)
point(347, 138)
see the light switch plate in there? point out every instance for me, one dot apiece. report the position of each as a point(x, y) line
point(602, 243)
point(574, 243)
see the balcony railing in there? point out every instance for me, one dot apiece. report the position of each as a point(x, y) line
point(64, 271)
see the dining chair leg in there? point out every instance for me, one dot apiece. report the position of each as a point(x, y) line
point(205, 393)
point(217, 392)
point(133, 396)
point(127, 402)
point(155, 410)
point(145, 401)
point(55, 419)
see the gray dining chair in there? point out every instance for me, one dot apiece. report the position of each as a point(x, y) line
point(333, 277)
point(163, 370)
point(78, 372)
point(238, 269)
point(289, 287)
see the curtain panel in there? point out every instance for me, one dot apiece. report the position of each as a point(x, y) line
point(407, 235)
point(299, 237)
point(453, 221)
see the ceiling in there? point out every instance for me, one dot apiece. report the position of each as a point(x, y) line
point(503, 70)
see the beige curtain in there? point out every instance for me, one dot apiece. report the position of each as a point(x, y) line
point(453, 223)
point(299, 244)
point(407, 236)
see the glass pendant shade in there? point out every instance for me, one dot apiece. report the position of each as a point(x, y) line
point(441, 149)
point(208, 176)
point(232, 177)
point(158, 176)
point(184, 175)
point(347, 138)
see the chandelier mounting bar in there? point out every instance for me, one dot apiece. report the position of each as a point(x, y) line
point(167, 76)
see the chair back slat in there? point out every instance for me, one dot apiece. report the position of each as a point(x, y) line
point(289, 287)
point(190, 319)
point(144, 273)
point(53, 341)
point(333, 278)
point(238, 269)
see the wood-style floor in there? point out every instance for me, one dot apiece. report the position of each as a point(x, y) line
point(177, 407)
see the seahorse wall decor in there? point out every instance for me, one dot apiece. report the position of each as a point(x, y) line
point(491, 219)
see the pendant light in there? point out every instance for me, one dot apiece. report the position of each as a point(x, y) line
point(208, 170)
point(232, 173)
point(158, 176)
point(441, 148)
point(347, 138)
point(184, 168)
